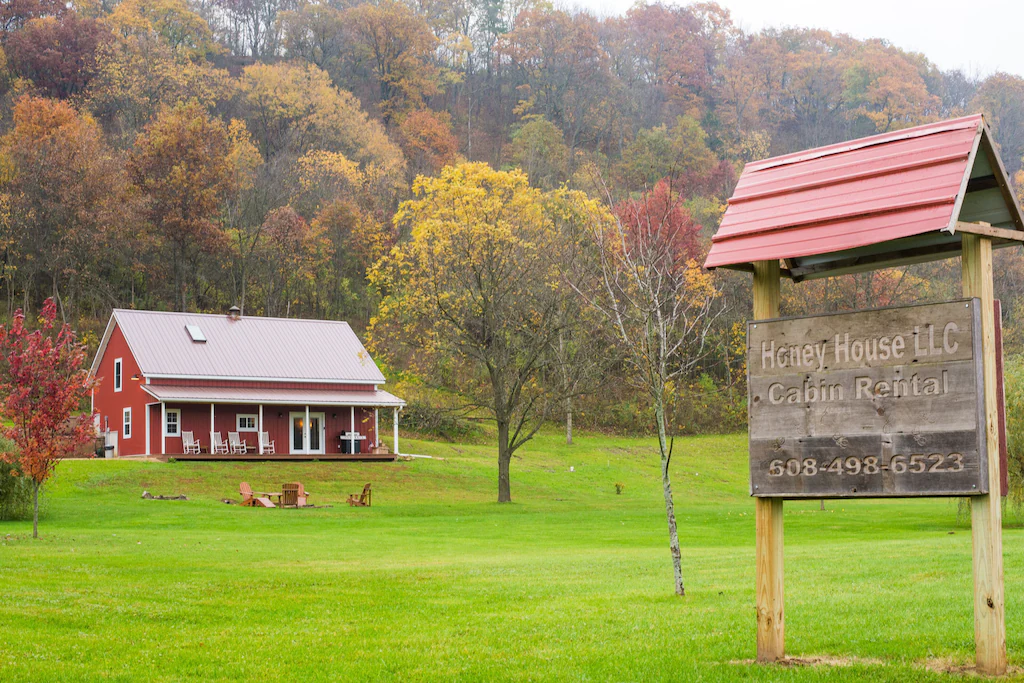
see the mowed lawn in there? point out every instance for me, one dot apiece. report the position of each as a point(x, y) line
point(436, 581)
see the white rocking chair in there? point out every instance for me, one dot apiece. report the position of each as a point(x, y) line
point(217, 444)
point(189, 443)
point(236, 443)
point(266, 445)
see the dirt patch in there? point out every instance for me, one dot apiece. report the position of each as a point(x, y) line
point(945, 665)
point(810, 660)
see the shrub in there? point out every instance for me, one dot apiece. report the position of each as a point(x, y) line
point(1013, 377)
point(432, 420)
point(15, 494)
point(703, 407)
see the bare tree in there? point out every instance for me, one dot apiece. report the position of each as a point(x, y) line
point(644, 280)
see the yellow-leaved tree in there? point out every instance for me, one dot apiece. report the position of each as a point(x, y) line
point(475, 300)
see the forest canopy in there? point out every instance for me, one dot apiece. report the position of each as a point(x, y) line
point(194, 154)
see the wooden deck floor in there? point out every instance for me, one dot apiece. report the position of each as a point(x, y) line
point(285, 457)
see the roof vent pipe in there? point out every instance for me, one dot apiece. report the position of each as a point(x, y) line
point(235, 313)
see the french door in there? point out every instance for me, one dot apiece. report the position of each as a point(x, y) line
point(298, 435)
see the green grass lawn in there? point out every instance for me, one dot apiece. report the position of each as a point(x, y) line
point(438, 582)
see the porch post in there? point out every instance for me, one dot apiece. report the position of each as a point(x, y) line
point(259, 427)
point(352, 427)
point(163, 428)
point(376, 430)
point(212, 428)
point(305, 432)
point(396, 431)
point(147, 430)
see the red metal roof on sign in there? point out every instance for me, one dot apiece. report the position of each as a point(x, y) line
point(847, 195)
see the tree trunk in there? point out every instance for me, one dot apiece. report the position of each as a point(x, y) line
point(35, 509)
point(504, 458)
point(670, 510)
point(568, 421)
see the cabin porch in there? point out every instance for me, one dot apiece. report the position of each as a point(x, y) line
point(291, 431)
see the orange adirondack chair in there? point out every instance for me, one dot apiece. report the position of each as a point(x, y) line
point(249, 499)
point(303, 493)
point(360, 499)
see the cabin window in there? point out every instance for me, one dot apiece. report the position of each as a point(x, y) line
point(126, 423)
point(172, 425)
point(245, 423)
point(117, 374)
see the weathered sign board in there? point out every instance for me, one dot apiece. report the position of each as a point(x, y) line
point(886, 402)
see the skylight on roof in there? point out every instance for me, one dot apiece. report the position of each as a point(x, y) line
point(196, 334)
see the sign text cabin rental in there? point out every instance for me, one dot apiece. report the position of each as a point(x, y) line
point(874, 403)
point(285, 387)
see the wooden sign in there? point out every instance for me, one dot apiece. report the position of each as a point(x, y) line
point(886, 402)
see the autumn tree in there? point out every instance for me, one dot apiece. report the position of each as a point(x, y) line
point(538, 147)
point(646, 281)
point(427, 140)
point(292, 110)
point(1001, 99)
point(140, 74)
point(477, 296)
point(57, 54)
point(560, 70)
point(14, 14)
point(663, 152)
point(292, 255)
point(177, 26)
point(315, 33)
point(889, 89)
point(181, 167)
point(43, 381)
point(67, 199)
point(396, 45)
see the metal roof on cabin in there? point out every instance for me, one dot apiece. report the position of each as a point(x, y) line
point(249, 348)
point(859, 193)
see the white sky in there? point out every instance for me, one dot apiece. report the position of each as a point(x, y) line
point(979, 36)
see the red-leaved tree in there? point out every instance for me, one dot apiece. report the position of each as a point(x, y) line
point(43, 381)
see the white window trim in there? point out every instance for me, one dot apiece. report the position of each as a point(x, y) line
point(126, 423)
point(238, 422)
point(118, 374)
point(177, 413)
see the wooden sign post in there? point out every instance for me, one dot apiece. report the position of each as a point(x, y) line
point(771, 624)
point(828, 423)
point(925, 427)
point(986, 515)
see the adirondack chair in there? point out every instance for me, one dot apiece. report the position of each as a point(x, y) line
point(217, 444)
point(289, 495)
point(189, 443)
point(266, 445)
point(254, 499)
point(236, 443)
point(360, 499)
point(303, 493)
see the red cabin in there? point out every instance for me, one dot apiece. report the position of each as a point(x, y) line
point(182, 383)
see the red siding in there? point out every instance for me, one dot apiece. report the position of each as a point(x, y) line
point(196, 418)
point(110, 404)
